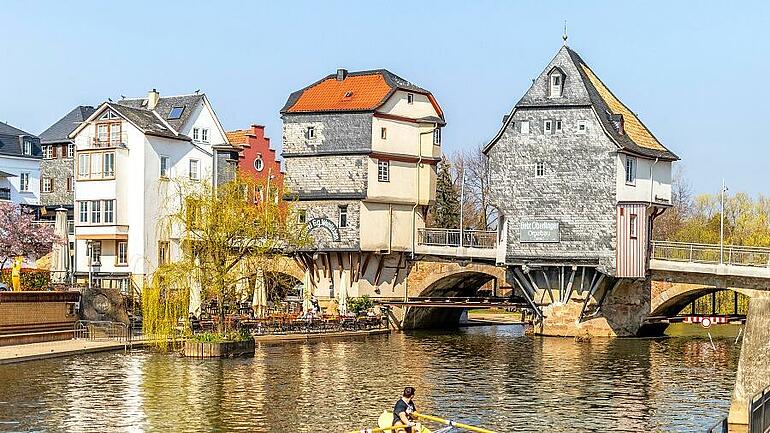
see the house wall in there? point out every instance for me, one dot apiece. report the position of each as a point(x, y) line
point(334, 133)
point(578, 189)
point(653, 180)
point(15, 166)
point(259, 147)
point(58, 169)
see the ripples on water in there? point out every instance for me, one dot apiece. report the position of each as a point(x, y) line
point(493, 375)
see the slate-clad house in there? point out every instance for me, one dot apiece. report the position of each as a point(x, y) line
point(127, 154)
point(360, 152)
point(58, 163)
point(577, 177)
point(19, 166)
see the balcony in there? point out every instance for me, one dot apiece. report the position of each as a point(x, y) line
point(112, 141)
point(457, 243)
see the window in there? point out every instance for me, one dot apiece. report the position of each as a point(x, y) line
point(96, 214)
point(70, 150)
point(557, 126)
point(27, 147)
point(83, 212)
point(437, 136)
point(175, 113)
point(310, 132)
point(122, 256)
point(96, 165)
point(524, 126)
point(632, 230)
point(109, 115)
point(115, 134)
point(410, 98)
point(194, 174)
point(96, 253)
point(540, 169)
point(23, 182)
point(548, 126)
point(196, 134)
point(47, 184)
point(343, 216)
point(163, 253)
point(630, 170)
point(383, 171)
point(582, 126)
point(84, 162)
point(383, 133)
point(205, 135)
point(302, 216)
point(109, 211)
point(69, 183)
point(102, 131)
point(164, 167)
point(109, 164)
point(259, 164)
point(47, 151)
point(556, 84)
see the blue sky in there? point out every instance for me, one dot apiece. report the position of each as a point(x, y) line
point(695, 72)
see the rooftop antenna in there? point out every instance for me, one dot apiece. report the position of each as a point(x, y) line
point(564, 36)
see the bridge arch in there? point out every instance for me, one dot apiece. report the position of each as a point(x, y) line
point(673, 299)
point(445, 280)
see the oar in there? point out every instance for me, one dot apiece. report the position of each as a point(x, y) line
point(377, 430)
point(452, 423)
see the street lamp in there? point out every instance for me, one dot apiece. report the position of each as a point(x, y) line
point(89, 252)
point(722, 223)
point(462, 201)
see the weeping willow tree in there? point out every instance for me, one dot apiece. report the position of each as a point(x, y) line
point(226, 235)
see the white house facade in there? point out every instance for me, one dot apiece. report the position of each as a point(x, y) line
point(128, 156)
point(20, 155)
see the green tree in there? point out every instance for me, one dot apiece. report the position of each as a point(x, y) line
point(446, 212)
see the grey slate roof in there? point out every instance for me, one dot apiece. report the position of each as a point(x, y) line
point(59, 132)
point(144, 119)
point(164, 106)
point(10, 142)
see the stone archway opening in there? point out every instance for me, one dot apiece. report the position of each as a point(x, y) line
point(455, 285)
point(694, 301)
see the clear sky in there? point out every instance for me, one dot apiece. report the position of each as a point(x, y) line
point(695, 72)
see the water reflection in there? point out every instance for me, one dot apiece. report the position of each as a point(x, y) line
point(495, 376)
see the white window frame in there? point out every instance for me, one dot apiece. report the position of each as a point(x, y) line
point(633, 226)
point(70, 150)
point(343, 215)
point(83, 212)
point(196, 134)
point(582, 124)
point(437, 136)
point(47, 151)
point(195, 174)
point(108, 169)
point(109, 211)
point(524, 127)
point(310, 132)
point(539, 169)
point(630, 170)
point(259, 163)
point(164, 168)
point(548, 127)
point(383, 170)
point(24, 181)
point(47, 184)
point(121, 253)
point(205, 135)
point(557, 126)
point(96, 211)
point(555, 90)
point(27, 147)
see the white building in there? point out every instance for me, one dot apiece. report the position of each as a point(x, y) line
point(20, 155)
point(127, 154)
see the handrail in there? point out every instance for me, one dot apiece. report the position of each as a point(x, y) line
point(696, 244)
point(443, 237)
point(711, 253)
point(94, 330)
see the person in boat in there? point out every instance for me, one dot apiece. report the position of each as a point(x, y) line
point(403, 410)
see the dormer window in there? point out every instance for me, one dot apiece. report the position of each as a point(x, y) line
point(348, 94)
point(555, 83)
point(410, 98)
point(310, 133)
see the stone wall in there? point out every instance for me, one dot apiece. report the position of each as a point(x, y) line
point(58, 170)
point(578, 187)
point(330, 209)
point(334, 133)
point(326, 176)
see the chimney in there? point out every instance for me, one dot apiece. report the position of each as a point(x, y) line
point(342, 74)
point(152, 99)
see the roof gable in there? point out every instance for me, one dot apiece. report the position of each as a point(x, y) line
point(11, 139)
point(59, 132)
point(166, 104)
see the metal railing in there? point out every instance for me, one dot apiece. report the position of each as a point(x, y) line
point(721, 427)
point(95, 330)
point(452, 237)
point(759, 412)
point(110, 141)
point(707, 253)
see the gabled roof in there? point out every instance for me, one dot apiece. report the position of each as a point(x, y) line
point(582, 88)
point(165, 104)
point(59, 132)
point(358, 91)
point(238, 137)
point(10, 144)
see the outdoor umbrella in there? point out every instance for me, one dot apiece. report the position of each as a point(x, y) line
point(59, 253)
point(195, 290)
point(343, 293)
point(306, 295)
point(259, 301)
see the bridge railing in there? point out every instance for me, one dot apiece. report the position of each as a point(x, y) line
point(451, 238)
point(708, 253)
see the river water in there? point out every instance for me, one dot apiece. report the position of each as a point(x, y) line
point(494, 376)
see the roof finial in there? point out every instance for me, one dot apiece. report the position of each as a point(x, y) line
point(564, 36)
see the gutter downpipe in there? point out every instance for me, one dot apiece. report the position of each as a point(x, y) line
point(417, 202)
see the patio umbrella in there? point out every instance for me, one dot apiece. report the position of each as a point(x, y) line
point(306, 295)
point(59, 254)
point(195, 290)
point(259, 301)
point(343, 293)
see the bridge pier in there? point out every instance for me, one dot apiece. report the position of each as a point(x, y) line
point(754, 364)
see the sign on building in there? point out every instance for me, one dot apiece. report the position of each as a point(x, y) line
point(325, 223)
point(539, 231)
